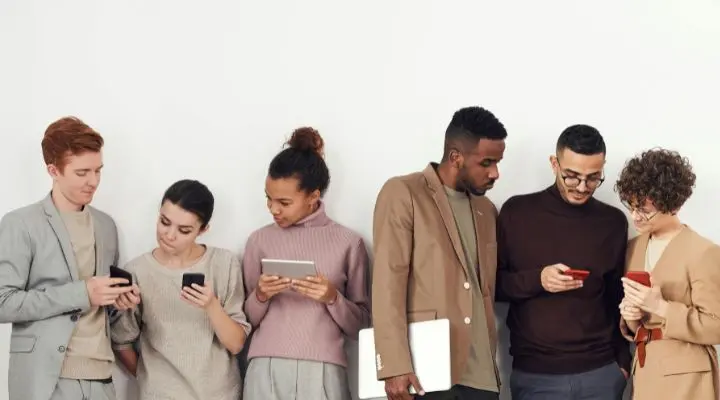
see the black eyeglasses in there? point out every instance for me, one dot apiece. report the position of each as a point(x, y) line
point(573, 181)
point(643, 214)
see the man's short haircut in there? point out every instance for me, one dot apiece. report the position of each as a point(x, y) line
point(581, 139)
point(468, 126)
point(67, 137)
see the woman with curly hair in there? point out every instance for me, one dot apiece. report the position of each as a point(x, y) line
point(676, 320)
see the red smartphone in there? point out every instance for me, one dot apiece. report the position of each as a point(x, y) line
point(578, 274)
point(641, 277)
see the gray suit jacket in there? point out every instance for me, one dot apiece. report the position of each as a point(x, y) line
point(41, 294)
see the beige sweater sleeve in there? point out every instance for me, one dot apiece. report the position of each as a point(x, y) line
point(235, 296)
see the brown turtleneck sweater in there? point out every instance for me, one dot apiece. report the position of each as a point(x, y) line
point(568, 332)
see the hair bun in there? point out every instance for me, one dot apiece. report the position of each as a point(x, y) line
point(307, 139)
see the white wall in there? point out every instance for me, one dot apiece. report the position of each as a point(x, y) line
point(210, 90)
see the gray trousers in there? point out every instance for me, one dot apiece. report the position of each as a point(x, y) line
point(73, 389)
point(604, 383)
point(459, 392)
point(270, 378)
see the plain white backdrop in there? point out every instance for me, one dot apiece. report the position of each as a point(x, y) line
point(210, 90)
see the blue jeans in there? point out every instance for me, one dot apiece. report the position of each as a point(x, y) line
point(604, 383)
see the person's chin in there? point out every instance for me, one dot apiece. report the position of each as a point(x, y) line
point(642, 228)
point(576, 199)
point(85, 198)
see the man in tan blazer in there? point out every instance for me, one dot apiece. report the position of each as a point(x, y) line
point(676, 320)
point(435, 257)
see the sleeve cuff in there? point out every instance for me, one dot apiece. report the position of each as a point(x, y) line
point(254, 308)
point(245, 325)
point(675, 312)
point(79, 295)
point(123, 346)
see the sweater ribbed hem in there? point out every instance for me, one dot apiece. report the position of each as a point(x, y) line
point(84, 368)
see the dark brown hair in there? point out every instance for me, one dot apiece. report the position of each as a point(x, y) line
point(661, 176)
point(66, 137)
point(303, 159)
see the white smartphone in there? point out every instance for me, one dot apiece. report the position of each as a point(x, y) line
point(293, 269)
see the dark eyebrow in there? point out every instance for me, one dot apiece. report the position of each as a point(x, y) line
point(181, 226)
point(577, 173)
point(279, 199)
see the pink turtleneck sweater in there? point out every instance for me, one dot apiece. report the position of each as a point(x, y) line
point(290, 325)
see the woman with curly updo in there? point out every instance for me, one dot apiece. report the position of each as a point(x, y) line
point(676, 320)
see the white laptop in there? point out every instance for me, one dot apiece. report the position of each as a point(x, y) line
point(430, 351)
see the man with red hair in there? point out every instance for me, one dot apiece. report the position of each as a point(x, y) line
point(55, 289)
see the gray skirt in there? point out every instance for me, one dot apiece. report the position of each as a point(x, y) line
point(270, 378)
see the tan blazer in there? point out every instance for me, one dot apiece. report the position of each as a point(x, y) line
point(684, 363)
point(420, 271)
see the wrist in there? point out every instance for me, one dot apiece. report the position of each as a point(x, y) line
point(333, 299)
point(661, 309)
point(214, 307)
point(260, 297)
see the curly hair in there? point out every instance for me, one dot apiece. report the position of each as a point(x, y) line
point(662, 176)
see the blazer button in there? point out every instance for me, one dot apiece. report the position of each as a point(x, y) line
point(74, 317)
point(467, 320)
point(466, 285)
point(61, 349)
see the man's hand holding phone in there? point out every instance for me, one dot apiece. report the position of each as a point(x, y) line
point(102, 290)
point(555, 278)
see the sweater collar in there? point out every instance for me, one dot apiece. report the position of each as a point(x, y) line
point(317, 218)
point(554, 201)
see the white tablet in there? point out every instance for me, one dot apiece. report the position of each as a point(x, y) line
point(293, 269)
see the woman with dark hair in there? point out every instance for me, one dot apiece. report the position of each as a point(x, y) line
point(187, 335)
point(297, 349)
point(675, 321)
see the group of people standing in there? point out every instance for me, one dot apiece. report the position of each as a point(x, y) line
point(440, 250)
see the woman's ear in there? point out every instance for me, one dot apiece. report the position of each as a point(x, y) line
point(204, 229)
point(314, 198)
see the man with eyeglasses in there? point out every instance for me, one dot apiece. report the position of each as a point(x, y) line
point(564, 324)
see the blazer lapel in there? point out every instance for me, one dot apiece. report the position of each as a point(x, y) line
point(98, 233)
point(443, 205)
point(481, 235)
point(673, 255)
point(62, 235)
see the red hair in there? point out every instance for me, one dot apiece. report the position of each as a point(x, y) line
point(66, 137)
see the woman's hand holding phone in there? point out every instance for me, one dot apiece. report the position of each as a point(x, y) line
point(199, 296)
point(646, 298)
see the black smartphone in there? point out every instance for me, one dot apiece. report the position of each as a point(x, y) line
point(193, 277)
point(116, 272)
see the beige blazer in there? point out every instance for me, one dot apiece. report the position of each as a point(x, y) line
point(420, 271)
point(684, 363)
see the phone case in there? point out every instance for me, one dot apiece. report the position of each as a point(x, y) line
point(189, 278)
point(578, 274)
point(116, 272)
point(640, 277)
